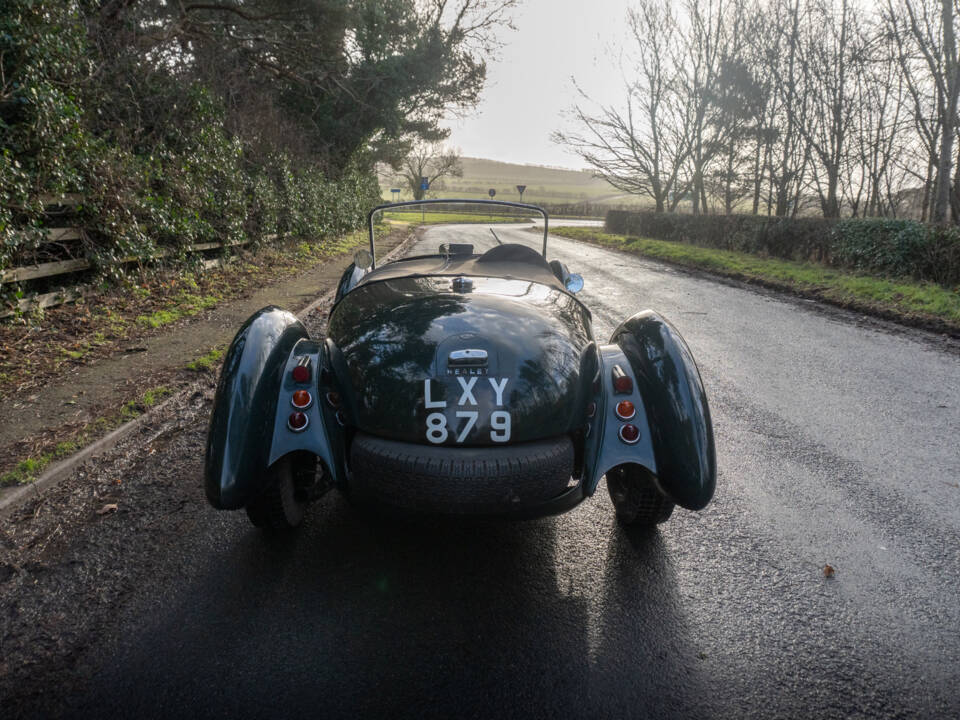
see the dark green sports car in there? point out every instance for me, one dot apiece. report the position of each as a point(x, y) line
point(459, 383)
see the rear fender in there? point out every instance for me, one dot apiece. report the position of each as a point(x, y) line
point(675, 412)
point(238, 448)
point(348, 281)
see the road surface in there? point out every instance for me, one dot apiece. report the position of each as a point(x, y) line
point(837, 444)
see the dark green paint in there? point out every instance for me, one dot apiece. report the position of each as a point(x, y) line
point(676, 407)
point(245, 406)
point(396, 334)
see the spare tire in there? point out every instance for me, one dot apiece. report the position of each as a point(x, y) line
point(459, 480)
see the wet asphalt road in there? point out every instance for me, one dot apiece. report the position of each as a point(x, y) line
point(837, 443)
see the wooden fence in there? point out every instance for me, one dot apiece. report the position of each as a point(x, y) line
point(28, 273)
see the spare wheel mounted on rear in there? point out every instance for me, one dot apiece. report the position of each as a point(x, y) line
point(460, 480)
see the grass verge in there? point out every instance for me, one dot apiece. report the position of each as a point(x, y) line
point(207, 360)
point(29, 469)
point(95, 327)
point(915, 303)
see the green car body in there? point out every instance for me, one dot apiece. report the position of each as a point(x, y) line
point(459, 359)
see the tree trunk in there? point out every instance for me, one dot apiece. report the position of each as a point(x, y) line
point(757, 178)
point(944, 166)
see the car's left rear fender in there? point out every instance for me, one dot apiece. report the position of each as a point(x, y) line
point(248, 426)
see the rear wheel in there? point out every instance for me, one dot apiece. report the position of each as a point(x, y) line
point(282, 504)
point(636, 498)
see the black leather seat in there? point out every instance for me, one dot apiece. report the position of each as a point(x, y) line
point(513, 252)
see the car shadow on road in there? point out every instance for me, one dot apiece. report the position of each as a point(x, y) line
point(645, 661)
point(361, 615)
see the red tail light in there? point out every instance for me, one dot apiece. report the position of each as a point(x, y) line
point(622, 383)
point(302, 399)
point(625, 410)
point(591, 409)
point(333, 398)
point(629, 433)
point(301, 373)
point(297, 421)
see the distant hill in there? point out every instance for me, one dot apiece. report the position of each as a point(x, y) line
point(544, 184)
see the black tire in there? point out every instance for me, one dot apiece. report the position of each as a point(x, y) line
point(445, 479)
point(282, 504)
point(636, 498)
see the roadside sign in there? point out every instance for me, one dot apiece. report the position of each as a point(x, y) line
point(491, 192)
point(395, 190)
point(521, 188)
point(424, 183)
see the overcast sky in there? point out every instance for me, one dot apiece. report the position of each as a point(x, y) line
point(529, 87)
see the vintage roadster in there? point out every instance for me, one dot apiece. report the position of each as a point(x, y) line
point(459, 383)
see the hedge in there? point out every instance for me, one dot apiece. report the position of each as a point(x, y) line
point(888, 247)
point(146, 186)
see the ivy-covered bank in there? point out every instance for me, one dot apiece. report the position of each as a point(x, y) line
point(175, 124)
point(144, 189)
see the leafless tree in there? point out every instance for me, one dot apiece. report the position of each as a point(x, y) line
point(926, 34)
point(879, 128)
point(431, 161)
point(642, 147)
point(787, 150)
point(700, 59)
point(794, 104)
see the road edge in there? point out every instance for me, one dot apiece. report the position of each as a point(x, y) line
point(52, 476)
point(929, 325)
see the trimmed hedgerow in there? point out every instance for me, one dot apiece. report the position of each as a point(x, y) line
point(887, 247)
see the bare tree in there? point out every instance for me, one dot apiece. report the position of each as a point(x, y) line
point(701, 43)
point(735, 105)
point(640, 149)
point(794, 104)
point(430, 161)
point(933, 36)
point(878, 127)
point(789, 154)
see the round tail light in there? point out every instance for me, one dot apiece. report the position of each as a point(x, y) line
point(629, 433)
point(623, 385)
point(625, 410)
point(298, 421)
point(301, 373)
point(302, 399)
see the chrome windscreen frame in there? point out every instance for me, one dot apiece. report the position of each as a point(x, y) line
point(452, 201)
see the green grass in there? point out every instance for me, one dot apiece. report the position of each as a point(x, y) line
point(903, 298)
point(182, 305)
point(154, 395)
point(26, 471)
point(205, 362)
point(29, 469)
point(544, 184)
point(435, 218)
point(333, 246)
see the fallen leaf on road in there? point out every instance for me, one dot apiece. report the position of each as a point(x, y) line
point(112, 507)
point(828, 570)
